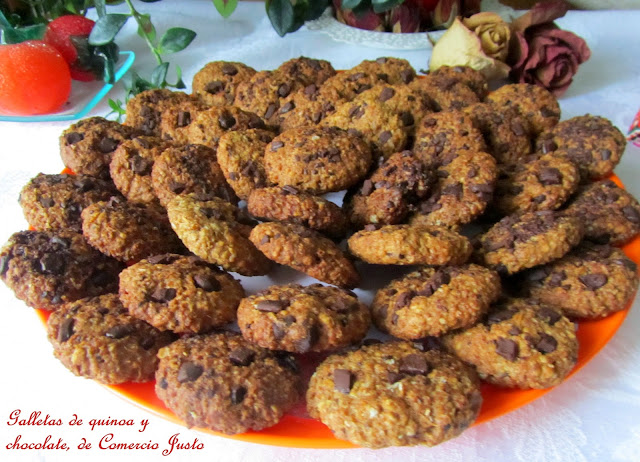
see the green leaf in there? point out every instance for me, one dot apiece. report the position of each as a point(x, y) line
point(159, 75)
point(101, 8)
point(175, 39)
point(281, 15)
point(380, 6)
point(225, 7)
point(106, 28)
point(315, 8)
point(350, 4)
point(137, 84)
point(146, 27)
point(180, 83)
point(22, 34)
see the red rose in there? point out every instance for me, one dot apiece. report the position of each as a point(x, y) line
point(549, 57)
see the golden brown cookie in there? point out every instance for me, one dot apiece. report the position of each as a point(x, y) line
point(145, 109)
point(175, 120)
point(217, 81)
point(307, 71)
point(306, 251)
point(394, 394)
point(209, 125)
point(393, 71)
point(447, 93)
point(305, 107)
point(302, 319)
point(470, 77)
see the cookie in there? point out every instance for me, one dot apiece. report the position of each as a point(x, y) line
point(301, 319)
point(394, 394)
point(544, 183)
point(463, 189)
point(208, 227)
point(181, 294)
point(289, 205)
point(145, 109)
point(241, 158)
point(443, 135)
point(262, 93)
point(410, 245)
point(86, 147)
point(468, 76)
point(189, 169)
point(523, 241)
point(46, 269)
point(401, 99)
point(592, 281)
point(128, 231)
point(307, 71)
point(592, 142)
point(317, 160)
point(535, 103)
point(432, 302)
point(347, 85)
point(97, 338)
point(383, 129)
point(306, 251)
point(609, 213)
point(447, 93)
point(222, 382)
point(391, 191)
point(175, 120)
point(521, 344)
point(217, 81)
point(506, 133)
point(393, 71)
point(305, 107)
point(131, 167)
point(54, 202)
point(209, 125)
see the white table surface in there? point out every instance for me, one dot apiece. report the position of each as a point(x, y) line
point(594, 416)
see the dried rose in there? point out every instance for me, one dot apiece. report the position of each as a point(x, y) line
point(403, 18)
point(493, 32)
point(542, 53)
point(367, 19)
point(459, 46)
point(447, 10)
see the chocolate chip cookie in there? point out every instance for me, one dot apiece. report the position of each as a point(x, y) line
point(305, 250)
point(217, 81)
point(97, 338)
point(209, 125)
point(144, 110)
point(447, 93)
point(432, 302)
point(306, 107)
point(522, 344)
point(468, 76)
point(393, 71)
point(262, 93)
point(307, 71)
point(394, 394)
point(302, 319)
point(222, 382)
point(46, 269)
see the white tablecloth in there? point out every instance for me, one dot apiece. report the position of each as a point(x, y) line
point(594, 416)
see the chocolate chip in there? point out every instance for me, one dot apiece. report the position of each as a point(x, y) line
point(310, 89)
point(120, 331)
point(550, 176)
point(183, 119)
point(207, 282)
point(453, 190)
point(394, 377)
point(73, 137)
point(341, 305)
point(229, 69)
point(406, 76)
point(52, 263)
point(163, 294)
point(47, 202)
point(546, 112)
point(386, 94)
point(499, 316)
point(539, 199)
point(309, 340)
point(517, 128)
point(65, 331)
point(284, 90)
point(556, 278)
point(537, 274)
point(271, 109)
point(241, 356)
point(276, 145)
point(287, 360)
point(593, 281)
point(238, 393)
point(605, 154)
point(507, 348)
point(4, 264)
point(514, 330)
point(631, 214)
point(162, 383)
point(414, 364)
point(546, 344)
point(548, 315)
point(226, 120)
point(214, 87)
point(84, 184)
point(367, 188)
point(404, 299)
point(407, 118)
point(162, 259)
point(176, 187)
point(271, 306)
point(548, 146)
point(107, 145)
point(189, 372)
point(140, 166)
point(287, 107)
point(342, 380)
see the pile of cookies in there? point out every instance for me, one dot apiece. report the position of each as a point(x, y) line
point(505, 210)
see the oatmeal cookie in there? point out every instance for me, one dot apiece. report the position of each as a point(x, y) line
point(262, 93)
point(521, 344)
point(302, 319)
point(181, 294)
point(222, 382)
point(209, 125)
point(208, 227)
point(175, 120)
point(535, 103)
point(305, 107)
point(592, 142)
point(189, 169)
point(447, 93)
point(609, 213)
point(317, 160)
point(410, 245)
point(470, 77)
point(86, 147)
point(289, 205)
point(394, 394)
point(217, 81)
point(241, 158)
point(523, 241)
point(145, 109)
point(393, 71)
point(46, 269)
point(307, 71)
point(306, 251)
point(432, 302)
point(55, 202)
point(96, 338)
point(592, 281)
point(347, 85)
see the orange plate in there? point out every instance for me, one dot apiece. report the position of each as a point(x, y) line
point(300, 432)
